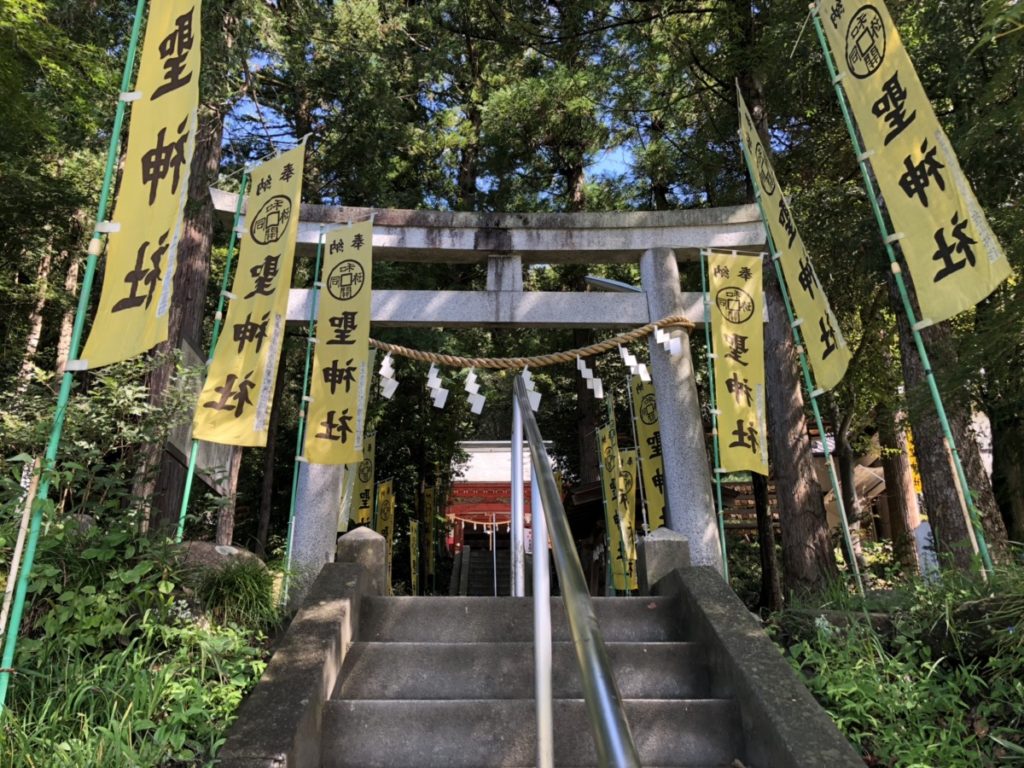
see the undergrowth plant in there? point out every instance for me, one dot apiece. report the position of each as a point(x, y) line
point(114, 668)
point(118, 664)
point(241, 592)
point(941, 685)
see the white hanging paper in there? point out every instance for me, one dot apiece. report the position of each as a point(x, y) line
point(440, 397)
point(387, 388)
point(534, 397)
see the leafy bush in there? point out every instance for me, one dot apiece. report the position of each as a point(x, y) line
point(944, 687)
point(113, 668)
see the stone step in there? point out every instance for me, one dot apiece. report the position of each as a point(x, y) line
point(482, 733)
point(505, 671)
point(510, 619)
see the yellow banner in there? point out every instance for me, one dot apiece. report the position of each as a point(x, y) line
point(628, 478)
point(621, 545)
point(414, 556)
point(737, 336)
point(430, 518)
point(340, 370)
point(234, 406)
point(652, 465)
point(825, 346)
point(363, 496)
point(385, 522)
point(953, 255)
point(142, 253)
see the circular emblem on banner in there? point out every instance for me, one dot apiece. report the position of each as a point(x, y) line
point(365, 470)
point(346, 280)
point(385, 510)
point(609, 457)
point(764, 170)
point(270, 224)
point(865, 42)
point(735, 304)
point(648, 409)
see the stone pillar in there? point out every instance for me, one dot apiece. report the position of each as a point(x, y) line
point(691, 509)
point(317, 502)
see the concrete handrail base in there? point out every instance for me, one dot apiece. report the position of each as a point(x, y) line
point(783, 725)
point(279, 723)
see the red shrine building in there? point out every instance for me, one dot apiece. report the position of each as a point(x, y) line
point(479, 509)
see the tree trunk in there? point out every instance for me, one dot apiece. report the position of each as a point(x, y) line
point(269, 454)
point(185, 322)
point(808, 562)
point(900, 496)
point(1008, 473)
point(226, 514)
point(771, 588)
point(846, 462)
point(469, 155)
point(943, 502)
point(67, 320)
point(35, 322)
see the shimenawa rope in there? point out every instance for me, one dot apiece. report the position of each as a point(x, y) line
point(538, 361)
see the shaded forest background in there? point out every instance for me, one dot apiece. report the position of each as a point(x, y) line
point(512, 106)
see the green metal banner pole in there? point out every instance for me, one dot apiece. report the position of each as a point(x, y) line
point(812, 392)
point(218, 318)
point(888, 238)
point(310, 341)
point(64, 395)
point(714, 413)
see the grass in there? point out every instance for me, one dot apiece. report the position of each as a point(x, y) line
point(939, 683)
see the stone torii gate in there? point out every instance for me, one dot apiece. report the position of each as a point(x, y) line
point(506, 242)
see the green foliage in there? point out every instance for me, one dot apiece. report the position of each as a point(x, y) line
point(113, 669)
point(939, 688)
point(107, 423)
point(241, 593)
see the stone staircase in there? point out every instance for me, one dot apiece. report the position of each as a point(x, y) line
point(364, 680)
point(448, 683)
point(480, 581)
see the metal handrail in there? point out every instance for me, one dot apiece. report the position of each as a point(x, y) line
point(612, 738)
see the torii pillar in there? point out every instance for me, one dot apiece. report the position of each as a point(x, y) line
point(691, 509)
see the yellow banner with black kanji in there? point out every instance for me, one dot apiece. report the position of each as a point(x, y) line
point(824, 344)
point(953, 255)
point(414, 556)
point(430, 518)
point(629, 475)
point(652, 464)
point(338, 391)
point(737, 338)
point(385, 522)
point(362, 498)
point(142, 245)
point(234, 405)
point(620, 536)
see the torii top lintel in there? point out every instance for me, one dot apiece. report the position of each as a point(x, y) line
point(546, 238)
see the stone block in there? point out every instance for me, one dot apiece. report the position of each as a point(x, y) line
point(366, 548)
point(279, 723)
point(659, 553)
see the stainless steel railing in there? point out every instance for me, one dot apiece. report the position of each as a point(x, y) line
point(612, 738)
